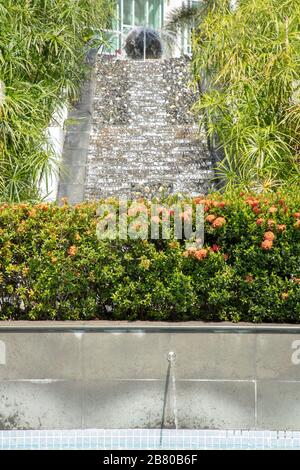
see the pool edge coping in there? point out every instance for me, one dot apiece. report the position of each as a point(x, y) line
point(145, 327)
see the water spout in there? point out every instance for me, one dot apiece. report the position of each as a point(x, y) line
point(172, 358)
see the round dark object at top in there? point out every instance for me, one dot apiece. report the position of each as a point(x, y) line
point(137, 38)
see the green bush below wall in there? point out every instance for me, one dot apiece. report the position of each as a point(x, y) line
point(53, 266)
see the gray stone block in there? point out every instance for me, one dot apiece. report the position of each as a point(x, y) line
point(278, 356)
point(278, 405)
point(125, 355)
point(215, 405)
point(123, 404)
point(40, 405)
point(211, 356)
point(73, 174)
point(77, 139)
point(79, 122)
point(40, 356)
point(74, 157)
point(73, 192)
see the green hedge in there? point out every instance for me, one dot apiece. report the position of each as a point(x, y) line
point(53, 266)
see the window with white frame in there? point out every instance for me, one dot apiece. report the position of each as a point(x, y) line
point(131, 13)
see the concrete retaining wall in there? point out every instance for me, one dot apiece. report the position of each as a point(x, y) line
point(99, 375)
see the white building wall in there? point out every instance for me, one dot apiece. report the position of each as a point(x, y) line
point(171, 4)
point(182, 39)
point(55, 136)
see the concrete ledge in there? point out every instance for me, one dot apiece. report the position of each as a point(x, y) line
point(63, 375)
point(193, 326)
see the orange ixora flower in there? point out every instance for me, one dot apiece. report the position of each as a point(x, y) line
point(72, 250)
point(219, 222)
point(269, 236)
point(43, 206)
point(271, 223)
point(210, 218)
point(189, 252)
point(199, 200)
point(201, 254)
point(267, 245)
point(260, 221)
point(273, 209)
point(249, 278)
point(252, 202)
point(285, 295)
point(297, 215)
point(281, 227)
point(32, 213)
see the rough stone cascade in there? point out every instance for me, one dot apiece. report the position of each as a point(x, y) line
point(144, 139)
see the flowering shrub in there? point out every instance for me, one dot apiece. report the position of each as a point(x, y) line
point(53, 265)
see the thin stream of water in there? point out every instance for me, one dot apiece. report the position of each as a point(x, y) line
point(172, 360)
point(174, 396)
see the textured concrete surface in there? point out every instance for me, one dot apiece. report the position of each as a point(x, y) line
point(214, 356)
point(55, 376)
point(40, 404)
point(41, 356)
point(133, 133)
point(122, 404)
point(282, 354)
point(127, 356)
point(216, 405)
point(78, 128)
point(144, 137)
point(278, 405)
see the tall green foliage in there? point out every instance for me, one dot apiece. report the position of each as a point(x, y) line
point(42, 49)
point(250, 61)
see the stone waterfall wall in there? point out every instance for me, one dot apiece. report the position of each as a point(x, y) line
point(144, 139)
